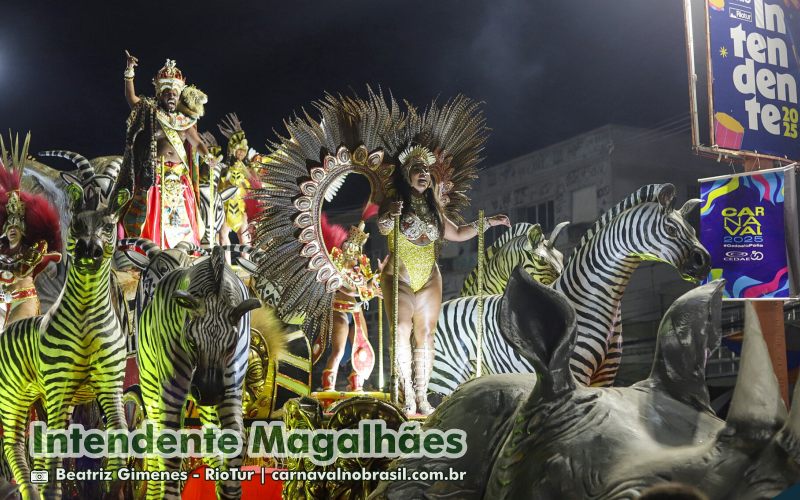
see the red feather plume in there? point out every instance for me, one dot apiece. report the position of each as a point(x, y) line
point(370, 211)
point(333, 234)
point(41, 218)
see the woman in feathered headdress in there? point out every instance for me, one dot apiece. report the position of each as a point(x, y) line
point(423, 224)
point(30, 239)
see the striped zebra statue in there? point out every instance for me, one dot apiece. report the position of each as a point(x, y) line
point(524, 244)
point(643, 226)
point(154, 263)
point(194, 338)
point(76, 351)
point(219, 205)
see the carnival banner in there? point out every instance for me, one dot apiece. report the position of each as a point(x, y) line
point(748, 223)
point(755, 70)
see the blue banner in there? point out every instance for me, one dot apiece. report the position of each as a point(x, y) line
point(743, 222)
point(755, 72)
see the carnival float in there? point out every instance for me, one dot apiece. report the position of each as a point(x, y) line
point(197, 285)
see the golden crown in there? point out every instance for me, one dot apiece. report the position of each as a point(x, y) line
point(357, 236)
point(169, 77)
point(413, 155)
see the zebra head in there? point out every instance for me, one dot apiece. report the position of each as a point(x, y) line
point(154, 263)
point(652, 229)
point(96, 202)
point(217, 304)
point(97, 186)
point(544, 261)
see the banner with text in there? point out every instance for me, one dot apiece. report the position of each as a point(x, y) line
point(748, 224)
point(755, 70)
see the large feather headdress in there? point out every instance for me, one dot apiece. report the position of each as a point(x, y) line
point(347, 134)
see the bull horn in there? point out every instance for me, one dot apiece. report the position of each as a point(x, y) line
point(689, 206)
point(113, 167)
point(756, 406)
point(551, 241)
point(85, 169)
point(242, 308)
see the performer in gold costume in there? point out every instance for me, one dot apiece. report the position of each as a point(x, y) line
point(30, 239)
point(423, 225)
point(360, 286)
point(419, 164)
point(239, 175)
point(159, 162)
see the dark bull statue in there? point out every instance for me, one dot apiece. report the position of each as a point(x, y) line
point(554, 439)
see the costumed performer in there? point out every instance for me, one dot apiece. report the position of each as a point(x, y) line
point(423, 225)
point(30, 239)
point(360, 285)
point(161, 136)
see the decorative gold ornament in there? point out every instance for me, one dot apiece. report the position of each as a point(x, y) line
point(15, 213)
point(169, 76)
point(306, 413)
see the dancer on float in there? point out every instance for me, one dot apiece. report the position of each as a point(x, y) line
point(161, 135)
point(30, 239)
point(423, 225)
point(238, 174)
point(360, 285)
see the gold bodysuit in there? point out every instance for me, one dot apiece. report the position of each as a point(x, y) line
point(419, 225)
point(235, 207)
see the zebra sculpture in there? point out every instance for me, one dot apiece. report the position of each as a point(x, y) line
point(220, 197)
point(154, 263)
point(643, 226)
point(76, 351)
point(547, 437)
point(194, 338)
point(523, 244)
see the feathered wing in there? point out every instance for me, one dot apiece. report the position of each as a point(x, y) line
point(285, 230)
point(456, 132)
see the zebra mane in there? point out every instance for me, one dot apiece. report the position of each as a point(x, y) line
point(518, 229)
point(645, 194)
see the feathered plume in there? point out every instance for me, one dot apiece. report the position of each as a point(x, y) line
point(41, 218)
point(333, 234)
point(370, 211)
point(208, 139)
point(230, 125)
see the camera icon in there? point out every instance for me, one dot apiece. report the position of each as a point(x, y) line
point(40, 476)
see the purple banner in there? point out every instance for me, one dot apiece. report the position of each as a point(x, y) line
point(755, 71)
point(742, 226)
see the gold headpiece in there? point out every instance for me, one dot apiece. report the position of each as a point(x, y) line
point(413, 155)
point(357, 236)
point(237, 141)
point(15, 212)
point(169, 77)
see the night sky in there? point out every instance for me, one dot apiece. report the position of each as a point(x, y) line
point(546, 70)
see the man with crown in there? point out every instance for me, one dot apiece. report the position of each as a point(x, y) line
point(159, 160)
point(360, 285)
